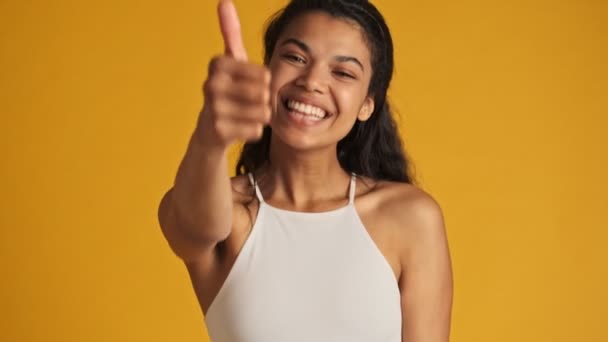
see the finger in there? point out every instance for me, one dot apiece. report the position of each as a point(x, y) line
point(223, 85)
point(239, 70)
point(231, 30)
point(243, 112)
point(251, 133)
point(249, 93)
point(260, 115)
point(252, 72)
point(240, 130)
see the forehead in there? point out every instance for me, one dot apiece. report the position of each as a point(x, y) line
point(324, 33)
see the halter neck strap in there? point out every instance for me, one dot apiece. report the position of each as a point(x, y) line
point(352, 188)
point(258, 193)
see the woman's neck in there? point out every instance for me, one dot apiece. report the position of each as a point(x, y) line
point(304, 179)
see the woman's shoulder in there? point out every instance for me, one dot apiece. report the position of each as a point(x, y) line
point(387, 192)
point(400, 204)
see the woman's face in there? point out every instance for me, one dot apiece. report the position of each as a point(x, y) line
point(321, 71)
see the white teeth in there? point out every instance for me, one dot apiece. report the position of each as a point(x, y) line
point(306, 109)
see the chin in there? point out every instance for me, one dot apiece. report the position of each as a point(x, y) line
point(295, 140)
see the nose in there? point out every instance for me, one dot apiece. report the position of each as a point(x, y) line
point(313, 79)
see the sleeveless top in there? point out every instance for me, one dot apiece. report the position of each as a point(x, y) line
point(303, 277)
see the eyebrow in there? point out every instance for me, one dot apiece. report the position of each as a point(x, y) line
point(305, 48)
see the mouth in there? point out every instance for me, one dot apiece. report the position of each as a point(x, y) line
point(305, 111)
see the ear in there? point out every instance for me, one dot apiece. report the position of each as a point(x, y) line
point(366, 109)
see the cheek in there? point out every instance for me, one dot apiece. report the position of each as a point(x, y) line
point(280, 78)
point(349, 101)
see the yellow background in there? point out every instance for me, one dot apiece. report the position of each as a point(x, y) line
point(503, 107)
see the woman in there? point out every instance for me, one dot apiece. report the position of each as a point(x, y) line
point(321, 236)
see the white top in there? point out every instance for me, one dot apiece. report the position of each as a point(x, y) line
point(303, 277)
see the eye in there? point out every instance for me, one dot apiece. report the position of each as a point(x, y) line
point(294, 58)
point(343, 74)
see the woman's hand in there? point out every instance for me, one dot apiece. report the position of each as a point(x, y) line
point(237, 92)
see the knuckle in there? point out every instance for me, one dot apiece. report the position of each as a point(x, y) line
point(257, 94)
point(216, 64)
point(265, 76)
point(260, 73)
point(213, 65)
point(258, 131)
point(258, 112)
point(215, 87)
point(252, 93)
point(261, 93)
point(207, 86)
point(216, 107)
point(210, 86)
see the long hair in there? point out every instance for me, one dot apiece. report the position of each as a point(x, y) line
point(372, 148)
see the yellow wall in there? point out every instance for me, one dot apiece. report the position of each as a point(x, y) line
point(503, 108)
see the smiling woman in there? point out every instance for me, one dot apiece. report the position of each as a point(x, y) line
point(322, 235)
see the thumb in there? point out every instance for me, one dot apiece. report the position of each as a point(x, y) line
point(231, 30)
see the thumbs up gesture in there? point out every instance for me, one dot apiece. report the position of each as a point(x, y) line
point(237, 93)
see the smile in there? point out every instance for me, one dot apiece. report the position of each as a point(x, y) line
point(310, 112)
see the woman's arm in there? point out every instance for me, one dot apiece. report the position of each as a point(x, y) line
point(197, 212)
point(426, 282)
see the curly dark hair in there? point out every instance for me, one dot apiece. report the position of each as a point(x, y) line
point(372, 148)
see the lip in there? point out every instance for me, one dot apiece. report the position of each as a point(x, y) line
point(307, 101)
